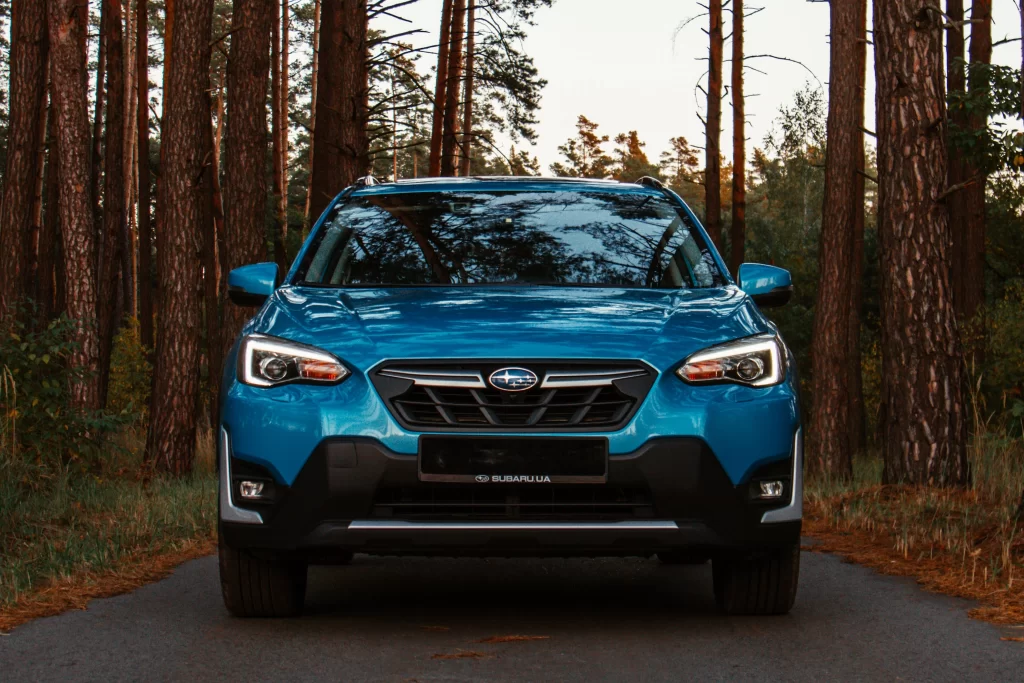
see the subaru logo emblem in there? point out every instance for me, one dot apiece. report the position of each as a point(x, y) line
point(482, 478)
point(513, 379)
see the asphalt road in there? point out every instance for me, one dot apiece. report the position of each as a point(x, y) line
point(384, 619)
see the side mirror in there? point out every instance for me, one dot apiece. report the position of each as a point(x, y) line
point(768, 286)
point(252, 285)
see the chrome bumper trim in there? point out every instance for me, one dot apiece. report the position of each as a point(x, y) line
point(795, 510)
point(375, 525)
point(228, 511)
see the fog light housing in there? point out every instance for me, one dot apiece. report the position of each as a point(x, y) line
point(251, 490)
point(771, 490)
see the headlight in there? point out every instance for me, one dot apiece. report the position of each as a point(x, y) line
point(268, 362)
point(756, 362)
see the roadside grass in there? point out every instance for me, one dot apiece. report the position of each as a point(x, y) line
point(68, 534)
point(964, 543)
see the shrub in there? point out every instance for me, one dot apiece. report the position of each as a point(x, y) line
point(40, 426)
point(130, 374)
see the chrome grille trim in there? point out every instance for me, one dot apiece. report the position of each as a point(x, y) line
point(596, 378)
point(438, 378)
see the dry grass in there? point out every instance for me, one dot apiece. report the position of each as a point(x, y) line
point(957, 542)
point(511, 639)
point(462, 654)
point(76, 591)
point(67, 535)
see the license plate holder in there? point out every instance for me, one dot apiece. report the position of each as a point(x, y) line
point(510, 460)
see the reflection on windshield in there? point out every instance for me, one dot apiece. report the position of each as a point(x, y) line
point(535, 238)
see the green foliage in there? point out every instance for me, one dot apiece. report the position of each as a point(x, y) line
point(131, 373)
point(784, 205)
point(631, 162)
point(680, 166)
point(40, 424)
point(994, 96)
point(1003, 377)
point(584, 154)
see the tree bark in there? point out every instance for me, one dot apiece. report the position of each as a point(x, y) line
point(113, 191)
point(450, 139)
point(145, 226)
point(466, 162)
point(312, 106)
point(212, 227)
point(96, 159)
point(282, 207)
point(858, 418)
point(829, 449)
point(969, 300)
point(922, 365)
point(130, 175)
point(440, 88)
point(77, 227)
point(341, 146)
point(245, 180)
point(29, 48)
point(172, 429)
point(713, 127)
point(49, 236)
point(276, 126)
point(739, 142)
point(30, 269)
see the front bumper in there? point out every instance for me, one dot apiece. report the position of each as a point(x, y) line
point(337, 502)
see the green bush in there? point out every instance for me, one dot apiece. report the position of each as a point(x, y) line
point(130, 374)
point(40, 426)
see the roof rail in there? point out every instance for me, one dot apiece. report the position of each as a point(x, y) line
point(648, 181)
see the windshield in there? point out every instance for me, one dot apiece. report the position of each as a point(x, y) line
point(562, 238)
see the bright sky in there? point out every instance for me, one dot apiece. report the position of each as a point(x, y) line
point(621, 64)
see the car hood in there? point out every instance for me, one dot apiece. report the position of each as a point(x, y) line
point(366, 326)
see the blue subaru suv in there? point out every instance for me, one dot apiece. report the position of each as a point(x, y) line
point(509, 367)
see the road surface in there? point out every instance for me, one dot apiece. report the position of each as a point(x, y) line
point(385, 619)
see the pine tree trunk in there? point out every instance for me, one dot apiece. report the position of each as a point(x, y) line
point(113, 191)
point(212, 226)
point(29, 47)
point(970, 299)
point(30, 274)
point(276, 126)
point(713, 128)
point(341, 146)
point(957, 171)
point(128, 164)
point(828, 441)
point(144, 276)
point(467, 109)
point(282, 206)
point(66, 31)
point(858, 419)
point(440, 88)
point(97, 126)
point(312, 107)
point(924, 431)
point(245, 140)
point(172, 429)
point(450, 139)
point(49, 236)
point(739, 142)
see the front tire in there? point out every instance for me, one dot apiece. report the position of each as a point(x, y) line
point(760, 584)
point(255, 586)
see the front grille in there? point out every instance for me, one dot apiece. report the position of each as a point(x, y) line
point(439, 397)
point(453, 502)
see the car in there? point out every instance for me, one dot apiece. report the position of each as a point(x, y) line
point(510, 367)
